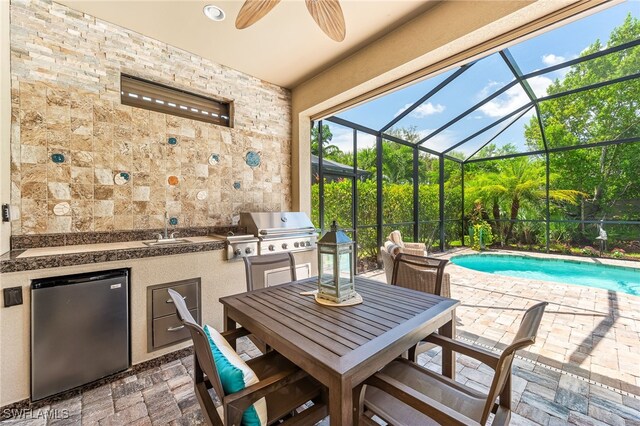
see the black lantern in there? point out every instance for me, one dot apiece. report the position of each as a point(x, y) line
point(335, 266)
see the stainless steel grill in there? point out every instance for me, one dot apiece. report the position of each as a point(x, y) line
point(279, 232)
point(240, 245)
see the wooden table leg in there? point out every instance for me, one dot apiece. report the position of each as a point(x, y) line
point(228, 324)
point(340, 404)
point(448, 356)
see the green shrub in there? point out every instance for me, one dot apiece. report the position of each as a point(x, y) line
point(558, 247)
point(589, 251)
point(618, 253)
point(482, 230)
point(396, 207)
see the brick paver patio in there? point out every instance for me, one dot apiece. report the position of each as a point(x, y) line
point(585, 365)
point(584, 368)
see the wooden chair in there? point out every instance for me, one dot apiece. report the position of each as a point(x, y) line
point(404, 393)
point(284, 385)
point(256, 266)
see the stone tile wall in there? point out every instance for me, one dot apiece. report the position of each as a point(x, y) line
point(65, 71)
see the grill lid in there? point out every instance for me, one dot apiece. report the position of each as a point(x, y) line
point(276, 223)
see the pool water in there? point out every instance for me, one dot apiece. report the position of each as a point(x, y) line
point(615, 278)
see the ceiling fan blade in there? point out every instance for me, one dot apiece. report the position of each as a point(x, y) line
point(252, 11)
point(328, 15)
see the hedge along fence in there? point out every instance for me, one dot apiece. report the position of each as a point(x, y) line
point(397, 207)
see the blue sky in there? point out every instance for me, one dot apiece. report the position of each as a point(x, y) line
point(483, 78)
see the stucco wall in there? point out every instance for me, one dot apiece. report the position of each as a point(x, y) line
point(5, 120)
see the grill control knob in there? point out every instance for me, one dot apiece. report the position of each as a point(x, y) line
point(307, 244)
point(296, 244)
point(237, 252)
point(301, 243)
point(285, 246)
point(248, 250)
point(272, 247)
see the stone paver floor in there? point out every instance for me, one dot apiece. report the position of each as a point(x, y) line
point(584, 368)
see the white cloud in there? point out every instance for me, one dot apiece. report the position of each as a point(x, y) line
point(486, 90)
point(441, 141)
point(342, 138)
point(502, 105)
point(425, 132)
point(427, 109)
point(365, 140)
point(540, 84)
point(514, 98)
point(422, 110)
point(401, 110)
point(551, 59)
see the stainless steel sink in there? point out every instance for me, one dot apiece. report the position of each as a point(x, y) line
point(167, 242)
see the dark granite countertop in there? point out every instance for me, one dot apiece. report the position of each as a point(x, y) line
point(70, 255)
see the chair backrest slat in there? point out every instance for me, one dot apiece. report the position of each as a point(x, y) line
point(419, 273)
point(525, 336)
point(256, 266)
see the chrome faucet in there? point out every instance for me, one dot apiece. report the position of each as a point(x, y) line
point(166, 221)
point(161, 237)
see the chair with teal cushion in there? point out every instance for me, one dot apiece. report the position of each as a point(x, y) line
point(281, 385)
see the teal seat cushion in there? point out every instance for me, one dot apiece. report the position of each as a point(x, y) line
point(235, 375)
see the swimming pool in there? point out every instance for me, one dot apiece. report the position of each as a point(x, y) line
point(608, 277)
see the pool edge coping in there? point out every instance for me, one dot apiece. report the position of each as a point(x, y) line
point(549, 257)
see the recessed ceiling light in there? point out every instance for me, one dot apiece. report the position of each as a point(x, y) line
point(214, 12)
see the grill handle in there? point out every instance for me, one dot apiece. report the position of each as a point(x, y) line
point(282, 231)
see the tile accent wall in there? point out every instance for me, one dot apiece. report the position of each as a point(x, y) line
point(65, 72)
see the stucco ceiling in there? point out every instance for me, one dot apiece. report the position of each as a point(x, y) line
point(285, 47)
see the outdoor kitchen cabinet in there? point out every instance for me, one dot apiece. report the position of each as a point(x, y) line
point(163, 326)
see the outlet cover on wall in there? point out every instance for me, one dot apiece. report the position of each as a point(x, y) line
point(6, 213)
point(12, 296)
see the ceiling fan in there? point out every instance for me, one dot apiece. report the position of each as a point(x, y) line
point(327, 14)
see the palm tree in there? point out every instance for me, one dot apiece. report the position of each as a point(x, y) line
point(328, 149)
point(517, 180)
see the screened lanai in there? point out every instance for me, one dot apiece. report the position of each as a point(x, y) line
point(537, 142)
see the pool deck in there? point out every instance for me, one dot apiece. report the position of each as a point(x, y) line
point(585, 365)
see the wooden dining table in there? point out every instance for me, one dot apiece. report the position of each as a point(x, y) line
point(342, 346)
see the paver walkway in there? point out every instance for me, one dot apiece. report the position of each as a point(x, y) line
point(584, 368)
